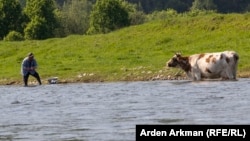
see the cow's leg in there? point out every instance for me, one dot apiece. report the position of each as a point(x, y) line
point(224, 75)
point(197, 76)
point(229, 74)
point(234, 70)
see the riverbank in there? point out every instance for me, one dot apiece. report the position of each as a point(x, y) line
point(178, 76)
point(135, 53)
point(94, 79)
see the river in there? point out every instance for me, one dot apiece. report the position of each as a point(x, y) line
point(110, 111)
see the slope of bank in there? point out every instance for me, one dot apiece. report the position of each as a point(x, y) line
point(130, 54)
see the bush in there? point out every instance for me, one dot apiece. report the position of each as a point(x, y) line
point(195, 12)
point(163, 15)
point(137, 18)
point(108, 15)
point(14, 36)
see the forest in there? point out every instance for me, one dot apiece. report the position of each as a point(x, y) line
point(222, 6)
point(43, 19)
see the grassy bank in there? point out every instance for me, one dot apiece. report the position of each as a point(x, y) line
point(133, 53)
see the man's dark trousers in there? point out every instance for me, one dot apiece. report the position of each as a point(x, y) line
point(26, 77)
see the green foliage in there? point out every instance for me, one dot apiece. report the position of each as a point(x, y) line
point(14, 36)
point(22, 2)
point(197, 12)
point(203, 5)
point(42, 17)
point(74, 17)
point(162, 15)
point(136, 16)
point(222, 6)
point(132, 53)
point(11, 17)
point(150, 6)
point(36, 29)
point(108, 15)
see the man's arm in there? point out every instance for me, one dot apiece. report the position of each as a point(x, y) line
point(34, 65)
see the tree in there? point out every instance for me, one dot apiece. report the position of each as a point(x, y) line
point(203, 5)
point(74, 18)
point(11, 17)
point(14, 36)
point(42, 17)
point(22, 2)
point(228, 6)
point(108, 15)
point(149, 6)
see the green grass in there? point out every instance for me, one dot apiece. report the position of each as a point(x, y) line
point(133, 53)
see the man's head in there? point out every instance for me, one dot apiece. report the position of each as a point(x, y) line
point(30, 55)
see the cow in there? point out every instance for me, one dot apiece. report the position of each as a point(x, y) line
point(216, 65)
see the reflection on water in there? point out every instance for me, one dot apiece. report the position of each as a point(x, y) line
point(110, 111)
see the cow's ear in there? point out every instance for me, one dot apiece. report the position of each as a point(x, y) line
point(178, 54)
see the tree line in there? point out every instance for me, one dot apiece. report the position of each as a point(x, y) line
point(221, 6)
point(42, 19)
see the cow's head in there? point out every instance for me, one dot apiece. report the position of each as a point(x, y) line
point(179, 61)
point(174, 61)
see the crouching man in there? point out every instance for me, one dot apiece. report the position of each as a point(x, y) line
point(28, 67)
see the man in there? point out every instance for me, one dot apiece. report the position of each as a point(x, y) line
point(28, 67)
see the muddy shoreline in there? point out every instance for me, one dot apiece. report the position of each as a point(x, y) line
point(95, 80)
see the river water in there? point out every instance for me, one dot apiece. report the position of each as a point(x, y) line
point(110, 111)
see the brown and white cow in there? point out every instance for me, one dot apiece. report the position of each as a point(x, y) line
point(207, 65)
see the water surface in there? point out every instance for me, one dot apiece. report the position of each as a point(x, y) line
point(110, 111)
